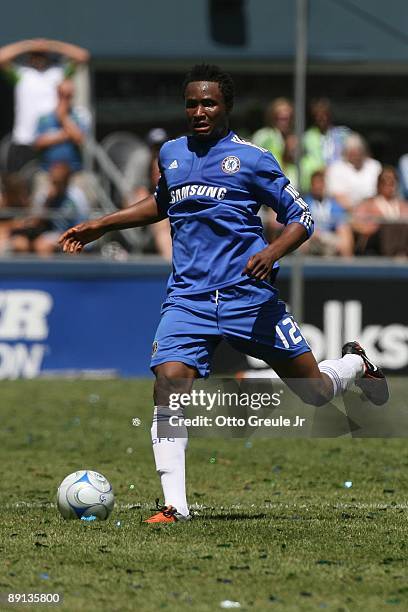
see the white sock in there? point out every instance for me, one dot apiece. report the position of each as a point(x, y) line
point(169, 455)
point(342, 372)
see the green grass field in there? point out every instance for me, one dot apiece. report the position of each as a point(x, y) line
point(275, 528)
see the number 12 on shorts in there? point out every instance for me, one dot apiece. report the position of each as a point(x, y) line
point(289, 332)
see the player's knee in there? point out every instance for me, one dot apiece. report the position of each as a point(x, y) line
point(175, 370)
point(172, 378)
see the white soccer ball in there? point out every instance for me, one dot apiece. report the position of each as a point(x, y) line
point(85, 494)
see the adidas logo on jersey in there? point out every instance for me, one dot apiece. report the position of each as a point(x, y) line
point(173, 165)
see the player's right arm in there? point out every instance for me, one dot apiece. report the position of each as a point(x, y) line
point(142, 213)
point(272, 188)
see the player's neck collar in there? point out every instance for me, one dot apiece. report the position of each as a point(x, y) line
point(196, 143)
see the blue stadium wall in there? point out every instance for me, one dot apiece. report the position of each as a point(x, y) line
point(84, 316)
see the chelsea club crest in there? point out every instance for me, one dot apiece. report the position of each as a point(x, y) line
point(230, 164)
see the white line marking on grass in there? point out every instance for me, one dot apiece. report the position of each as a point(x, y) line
point(21, 504)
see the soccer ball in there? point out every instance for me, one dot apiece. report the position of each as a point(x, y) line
point(85, 494)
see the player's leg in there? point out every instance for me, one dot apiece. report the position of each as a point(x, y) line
point(170, 443)
point(256, 323)
point(185, 340)
point(318, 383)
point(315, 383)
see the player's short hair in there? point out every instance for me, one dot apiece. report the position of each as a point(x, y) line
point(213, 74)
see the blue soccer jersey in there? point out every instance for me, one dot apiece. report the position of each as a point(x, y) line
point(212, 193)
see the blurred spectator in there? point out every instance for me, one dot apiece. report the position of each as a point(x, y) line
point(35, 89)
point(14, 203)
point(288, 164)
point(140, 185)
point(353, 178)
point(332, 234)
point(160, 231)
point(60, 134)
point(381, 222)
point(403, 173)
point(323, 142)
point(279, 124)
point(54, 211)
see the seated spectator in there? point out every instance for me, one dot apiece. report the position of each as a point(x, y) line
point(323, 142)
point(381, 222)
point(353, 178)
point(403, 174)
point(288, 164)
point(14, 203)
point(54, 211)
point(61, 133)
point(160, 231)
point(279, 124)
point(332, 234)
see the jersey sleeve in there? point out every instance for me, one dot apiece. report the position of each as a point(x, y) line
point(273, 189)
point(161, 193)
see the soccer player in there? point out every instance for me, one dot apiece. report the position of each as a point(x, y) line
point(212, 186)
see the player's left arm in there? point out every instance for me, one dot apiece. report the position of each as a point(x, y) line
point(274, 189)
point(150, 210)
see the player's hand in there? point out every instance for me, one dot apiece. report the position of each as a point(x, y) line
point(74, 239)
point(260, 265)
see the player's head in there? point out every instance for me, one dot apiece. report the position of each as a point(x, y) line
point(209, 98)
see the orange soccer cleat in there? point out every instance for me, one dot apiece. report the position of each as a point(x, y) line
point(166, 514)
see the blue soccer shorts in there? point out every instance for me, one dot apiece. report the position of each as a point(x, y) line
point(247, 315)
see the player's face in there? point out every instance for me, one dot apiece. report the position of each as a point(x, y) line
point(206, 112)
